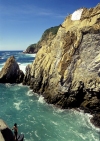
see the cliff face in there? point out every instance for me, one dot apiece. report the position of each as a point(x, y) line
point(11, 73)
point(67, 69)
point(46, 38)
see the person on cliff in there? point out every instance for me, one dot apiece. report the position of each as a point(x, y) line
point(15, 131)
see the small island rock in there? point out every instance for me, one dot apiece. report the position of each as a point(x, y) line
point(11, 72)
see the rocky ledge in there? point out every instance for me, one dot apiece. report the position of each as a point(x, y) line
point(11, 73)
point(66, 71)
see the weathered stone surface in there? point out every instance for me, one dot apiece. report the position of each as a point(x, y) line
point(67, 70)
point(11, 73)
point(5, 133)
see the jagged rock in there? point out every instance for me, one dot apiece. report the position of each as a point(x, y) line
point(27, 76)
point(67, 70)
point(96, 120)
point(5, 133)
point(11, 73)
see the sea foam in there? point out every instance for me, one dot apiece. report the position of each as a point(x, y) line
point(17, 105)
point(30, 93)
point(41, 99)
point(23, 66)
point(31, 55)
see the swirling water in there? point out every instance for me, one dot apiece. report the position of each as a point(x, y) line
point(38, 120)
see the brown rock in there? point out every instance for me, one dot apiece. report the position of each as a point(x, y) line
point(66, 71)
point(5, 133)
point(11, 73)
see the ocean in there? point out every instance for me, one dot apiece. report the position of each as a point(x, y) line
point(36, 119)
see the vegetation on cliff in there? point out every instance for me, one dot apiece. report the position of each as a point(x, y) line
point(52, 30)
point(48, 35)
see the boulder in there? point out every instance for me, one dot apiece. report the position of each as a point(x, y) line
point(11, 72)
point(5, 132)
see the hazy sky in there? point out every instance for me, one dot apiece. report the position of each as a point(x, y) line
point(22, 22)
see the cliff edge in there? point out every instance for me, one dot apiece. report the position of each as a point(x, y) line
point(66, 71)
point(47, 36)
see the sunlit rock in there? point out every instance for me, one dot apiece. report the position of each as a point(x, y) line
point(67, 70)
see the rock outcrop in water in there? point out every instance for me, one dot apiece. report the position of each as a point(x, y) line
point(66, 71)
point(11, 73)
point(5, 133)
point(46, 38)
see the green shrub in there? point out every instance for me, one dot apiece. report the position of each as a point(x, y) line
point(53, 30)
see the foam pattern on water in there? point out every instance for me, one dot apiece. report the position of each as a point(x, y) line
point(35, 118)
point(40, 121)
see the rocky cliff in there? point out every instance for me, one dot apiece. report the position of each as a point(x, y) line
point(11, 73)
point(47, 36)
point(66, 71)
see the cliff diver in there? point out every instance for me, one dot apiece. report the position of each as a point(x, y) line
point(15, 128)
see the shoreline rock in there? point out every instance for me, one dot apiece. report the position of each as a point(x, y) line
point(5, 133)
point(96, 120)
point(11, 73)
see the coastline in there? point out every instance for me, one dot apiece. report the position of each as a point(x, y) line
point(95, 120)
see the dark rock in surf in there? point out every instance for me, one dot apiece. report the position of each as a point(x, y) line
point(96, 120)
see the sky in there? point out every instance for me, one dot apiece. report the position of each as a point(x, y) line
point(22, 22)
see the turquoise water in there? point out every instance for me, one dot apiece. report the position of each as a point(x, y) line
point(38, 120)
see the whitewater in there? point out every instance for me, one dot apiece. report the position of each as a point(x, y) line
point(36, 119)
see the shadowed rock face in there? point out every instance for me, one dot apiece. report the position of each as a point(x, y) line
point(67, 71)
point(11, 73)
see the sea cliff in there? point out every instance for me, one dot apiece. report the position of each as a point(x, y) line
point(66, 70)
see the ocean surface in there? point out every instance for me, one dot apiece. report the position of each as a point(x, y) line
point(36, 119)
